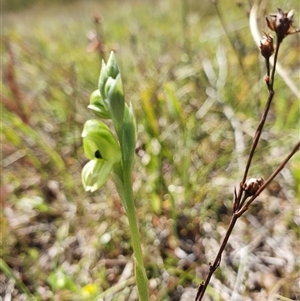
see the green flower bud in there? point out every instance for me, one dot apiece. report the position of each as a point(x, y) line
point(102, 80)
point(116, 103)
point(112, 67)
point(109, 70)
point(97, 105)
point(111, 91)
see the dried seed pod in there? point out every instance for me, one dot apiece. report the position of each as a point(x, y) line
point(266, 45)
point(252, 185)
point(282, 24)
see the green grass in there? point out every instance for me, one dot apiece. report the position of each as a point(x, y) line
point(182, 77)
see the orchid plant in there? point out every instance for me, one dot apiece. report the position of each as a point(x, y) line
point(114, 154)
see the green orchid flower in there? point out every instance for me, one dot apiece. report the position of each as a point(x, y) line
point(103, 150)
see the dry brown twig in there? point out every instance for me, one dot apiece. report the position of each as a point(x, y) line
point(282, 24)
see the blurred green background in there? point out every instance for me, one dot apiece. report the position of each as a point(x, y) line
point(195, 78)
